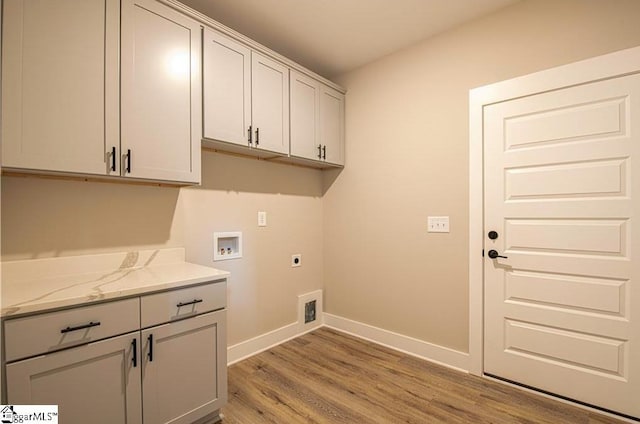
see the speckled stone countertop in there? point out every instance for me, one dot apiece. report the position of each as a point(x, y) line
point(38, 285)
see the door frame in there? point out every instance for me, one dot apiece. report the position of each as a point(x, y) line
point(608, 66)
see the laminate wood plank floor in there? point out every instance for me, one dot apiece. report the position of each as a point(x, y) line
point(330, 377)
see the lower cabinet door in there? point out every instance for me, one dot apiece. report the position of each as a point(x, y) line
point(184, 372)
point(97, 383)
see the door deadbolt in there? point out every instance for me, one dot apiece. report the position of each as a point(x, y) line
point(493, 235)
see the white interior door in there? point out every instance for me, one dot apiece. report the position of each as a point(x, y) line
point(561, 310)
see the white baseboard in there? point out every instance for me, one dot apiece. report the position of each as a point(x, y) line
point(248, 348)
point(421, 349)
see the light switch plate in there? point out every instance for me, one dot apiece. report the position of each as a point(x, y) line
point(262, 219)
point(438, 224)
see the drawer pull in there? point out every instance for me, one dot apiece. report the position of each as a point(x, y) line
point(193, 302)
point(80, 327)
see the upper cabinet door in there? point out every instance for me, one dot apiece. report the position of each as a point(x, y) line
point(270, 104)
point(305, 117)
point(332, 125)
point(161, 93)
point(227, 89)
point(60, 84)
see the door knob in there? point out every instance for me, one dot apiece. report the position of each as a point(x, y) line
point(493, 254)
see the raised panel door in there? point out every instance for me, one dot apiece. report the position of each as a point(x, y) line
point(270, 104)
point(227, 89)
point(60, 84)
point(305, 117)
point(161, 93)
point(561, 190)
point(332, 125)
point(184, 374)
point(97, 383)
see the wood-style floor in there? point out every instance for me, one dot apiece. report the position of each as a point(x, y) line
point(330, 377)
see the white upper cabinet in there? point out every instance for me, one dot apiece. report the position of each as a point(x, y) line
point(332, 125)
point(305, 117)
point(270, 104)
point(101, 87)
point(317, 121)
point(227, 89)
point(161, 93)
point(246, 96)
point(60, 84)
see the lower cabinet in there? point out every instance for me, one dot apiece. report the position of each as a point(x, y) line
point(170, 370)
point(95, 383)
point(184, 370)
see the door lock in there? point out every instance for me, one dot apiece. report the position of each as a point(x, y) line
point(493, 235)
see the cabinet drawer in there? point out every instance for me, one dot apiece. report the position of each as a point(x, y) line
point(57, 330)
point(182, 303)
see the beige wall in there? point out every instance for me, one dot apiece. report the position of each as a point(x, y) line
point(47, 218)
point(263, 287)
point(407, 158)
point(366, 239)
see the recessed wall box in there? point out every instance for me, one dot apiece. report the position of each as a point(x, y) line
point(227, 245)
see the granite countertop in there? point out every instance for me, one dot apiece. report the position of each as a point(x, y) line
point(38, 285)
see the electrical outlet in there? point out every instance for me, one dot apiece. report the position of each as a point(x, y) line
point(438, 224)
point(296, 260)
point(262, 219)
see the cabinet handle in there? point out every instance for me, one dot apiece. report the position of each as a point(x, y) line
point(319, 151)
point(80, 327)
point(257, 136)
point(193, 302)
point(324, 151)
point(134, 346)
point(113, 158)
point(250, 135)
point(150, 354)
point(128, 161)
